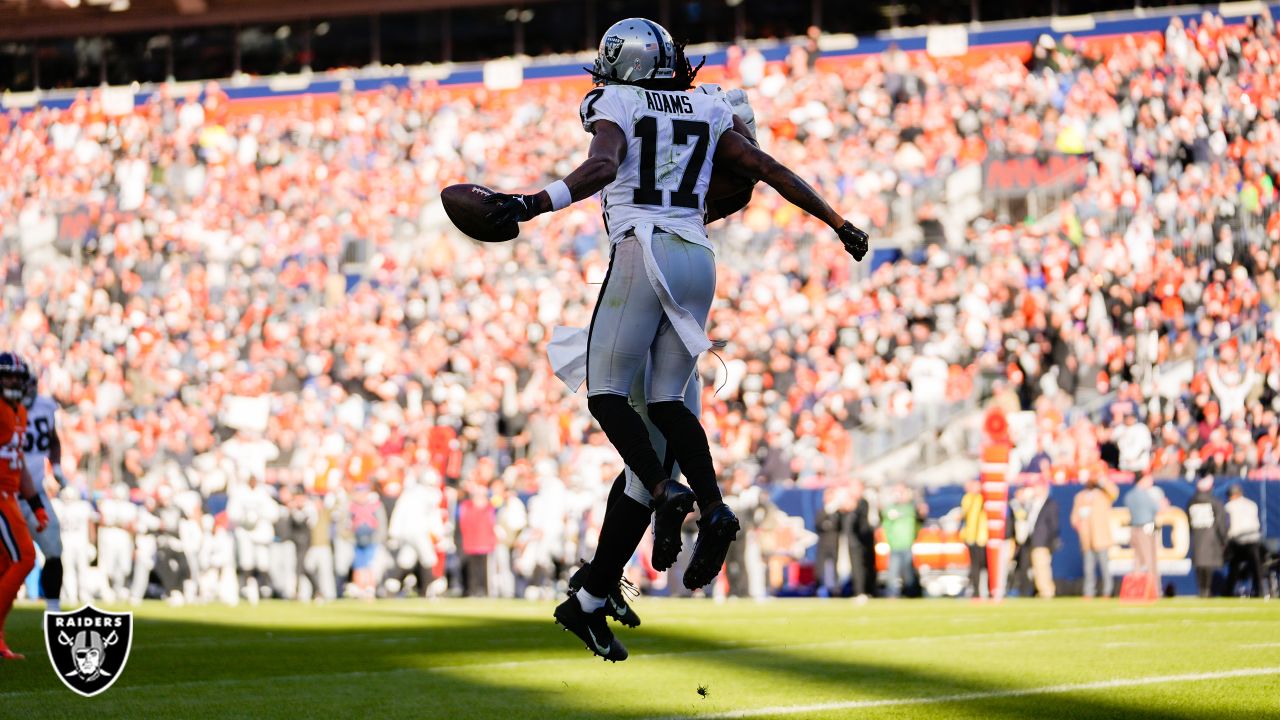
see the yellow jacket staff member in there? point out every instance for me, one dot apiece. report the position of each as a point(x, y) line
point(974, 533)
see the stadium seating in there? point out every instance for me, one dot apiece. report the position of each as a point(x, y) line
point(276, 294)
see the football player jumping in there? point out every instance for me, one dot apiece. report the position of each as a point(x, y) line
point(654, 149)
point(623, 524)
point(40, 444)
point(17, 553)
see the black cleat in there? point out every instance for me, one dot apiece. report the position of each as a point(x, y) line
point(716, 532)
point(615, 605)
point(671, 503)
point(591, 628)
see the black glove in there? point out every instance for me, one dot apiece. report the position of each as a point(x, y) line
point(510, 208)
point(855, 240)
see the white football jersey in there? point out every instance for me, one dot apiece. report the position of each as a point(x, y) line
point(671, 140)
point(74, 516)
point(39, 437)
point(117, 513)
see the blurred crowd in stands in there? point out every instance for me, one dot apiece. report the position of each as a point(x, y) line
point(260, 326)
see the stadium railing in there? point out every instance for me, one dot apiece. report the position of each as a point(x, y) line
point(1248, 230)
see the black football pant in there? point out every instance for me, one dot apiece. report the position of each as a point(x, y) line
point(1204, 580)
point(862, 558)
point(977, 563)
point(625, 522)
point(172, 569)
point(1246, 555)
point(475, 568)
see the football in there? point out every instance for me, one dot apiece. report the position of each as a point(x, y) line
point(465, 206)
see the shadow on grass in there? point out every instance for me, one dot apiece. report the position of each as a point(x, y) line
point(193, 669)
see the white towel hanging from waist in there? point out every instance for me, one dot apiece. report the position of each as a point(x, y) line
point(567, 350)
point(688, 328)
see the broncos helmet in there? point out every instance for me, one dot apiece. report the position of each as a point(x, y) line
point(635, 50)
point(14, 377)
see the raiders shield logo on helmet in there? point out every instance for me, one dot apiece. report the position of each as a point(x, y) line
point(612, 48)
point(88, 647)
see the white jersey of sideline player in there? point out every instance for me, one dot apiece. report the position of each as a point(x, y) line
point(671, 136)
point(39, 438)
point(37, 444)
point(75, 516)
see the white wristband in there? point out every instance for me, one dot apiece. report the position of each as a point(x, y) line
point(559, 194)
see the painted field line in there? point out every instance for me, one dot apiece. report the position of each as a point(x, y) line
point(976, 636)
point(988, 694)
point(784, 647)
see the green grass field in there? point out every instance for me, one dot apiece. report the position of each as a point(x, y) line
point(789, 658)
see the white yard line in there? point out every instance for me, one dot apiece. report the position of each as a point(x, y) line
point(987, 694)
point(577, 658)
point(422, 635)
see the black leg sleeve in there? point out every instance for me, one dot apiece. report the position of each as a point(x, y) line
point(687, 442)
point(857, 568)
point(624, 428)
point(1233, 562)
point(625, 522)
point(51, 578)
point(1254, 558)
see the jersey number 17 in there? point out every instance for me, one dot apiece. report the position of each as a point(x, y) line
point(682, 133)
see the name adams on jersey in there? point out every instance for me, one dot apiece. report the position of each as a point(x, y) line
point(671, 140)
point(669, 102)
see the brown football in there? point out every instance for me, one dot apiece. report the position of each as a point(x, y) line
point(464, 203)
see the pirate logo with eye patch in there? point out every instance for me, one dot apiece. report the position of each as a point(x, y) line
point(88, 647)
point(613, 48)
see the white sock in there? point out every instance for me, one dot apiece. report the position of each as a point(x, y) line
point(53, 605)
point(590, 603)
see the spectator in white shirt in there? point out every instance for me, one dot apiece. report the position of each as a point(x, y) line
point(1133, 439)
point(1244, 538)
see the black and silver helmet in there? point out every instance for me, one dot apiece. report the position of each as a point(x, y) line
point(635, 50)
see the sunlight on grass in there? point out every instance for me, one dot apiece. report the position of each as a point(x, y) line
point(465, 659)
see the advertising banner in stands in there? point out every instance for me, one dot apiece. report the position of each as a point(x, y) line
point(74, 227)
point(1016, 176)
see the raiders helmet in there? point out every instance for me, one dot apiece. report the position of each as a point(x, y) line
point(635, 50)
